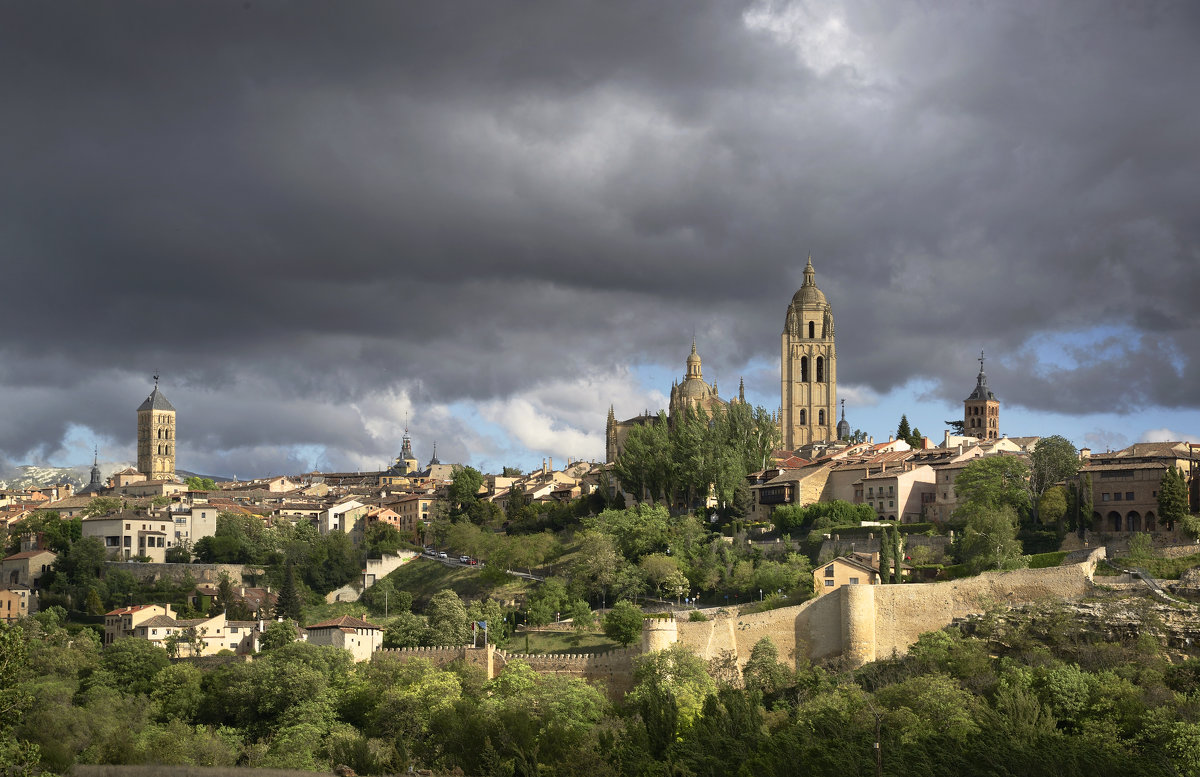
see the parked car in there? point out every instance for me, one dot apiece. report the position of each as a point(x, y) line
point(442, 555)
point(464, 559)
point(472, 562)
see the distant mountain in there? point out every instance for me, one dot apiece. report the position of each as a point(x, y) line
point(35, 476)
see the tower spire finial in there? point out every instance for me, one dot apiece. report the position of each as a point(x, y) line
point(981, 360)
point(156, 380)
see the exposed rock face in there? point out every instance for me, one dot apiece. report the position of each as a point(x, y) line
point(1124, 619)
point(1190, 578)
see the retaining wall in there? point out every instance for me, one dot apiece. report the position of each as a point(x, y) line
point(202, 573)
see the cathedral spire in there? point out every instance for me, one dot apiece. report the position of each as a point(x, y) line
point(810, 275)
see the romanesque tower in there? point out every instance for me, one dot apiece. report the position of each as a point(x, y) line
point(156, 436)
point(808, 380)
point(981, 410)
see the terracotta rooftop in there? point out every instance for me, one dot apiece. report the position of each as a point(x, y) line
point(344, 622)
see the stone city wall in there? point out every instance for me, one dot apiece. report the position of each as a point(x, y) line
point(614, 669)
point(201, 573)
point(863, 623)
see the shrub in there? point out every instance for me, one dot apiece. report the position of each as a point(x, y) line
point(697, 616)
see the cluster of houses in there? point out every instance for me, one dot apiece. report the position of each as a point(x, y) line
point(910, 485)
point(209, 636)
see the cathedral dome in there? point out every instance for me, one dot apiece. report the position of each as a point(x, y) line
point(693, 389)
point(809, 296)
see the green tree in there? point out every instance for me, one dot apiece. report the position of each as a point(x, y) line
point(278, 634)
point(989, 540)
point(903, 431)
point(1083, 502)
point(897, 543)
point(102, 505)
point(447, 617)
point(463, 491)
point(289, 604)
point(623, 623)
point(1052, 507)
point(17, 755)
point(677, 671)
point(1054, 460)
point(885, 557)
point(763, 671)
point(992, 482)
point(582, 617)
point(512, 472)
point(133, 664)
point(381, 538)
point(197, 483)
point(956, 427)
point(1173, 499)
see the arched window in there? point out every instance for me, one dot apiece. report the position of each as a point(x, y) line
point(821, 417)
point(812, 330)
point(803, 417)
point(820, 369)
point(804, 369)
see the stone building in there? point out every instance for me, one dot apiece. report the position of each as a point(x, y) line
point(156, 436)
point(981, 410)
point(808, 366)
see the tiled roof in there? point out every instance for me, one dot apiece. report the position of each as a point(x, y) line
point(345, 621)
point(159, 621)
point(26, 554)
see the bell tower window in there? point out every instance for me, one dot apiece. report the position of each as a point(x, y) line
point(812, 330)
point(803, 419)
point(820, 370)
point(804, 369)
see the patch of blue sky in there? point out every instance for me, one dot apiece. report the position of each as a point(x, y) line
point(77, 446)
point(1058, 350)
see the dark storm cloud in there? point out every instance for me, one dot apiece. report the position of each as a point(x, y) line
point(291, 208)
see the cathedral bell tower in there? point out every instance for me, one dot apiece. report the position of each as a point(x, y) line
point(808, 379)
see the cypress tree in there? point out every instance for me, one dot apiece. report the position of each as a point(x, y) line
point(289, 604)
point(897, 555)
point(885, 556)
point(904, 432)
point(1172, 498)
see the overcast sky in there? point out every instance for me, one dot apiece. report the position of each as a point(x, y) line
point(495, 219)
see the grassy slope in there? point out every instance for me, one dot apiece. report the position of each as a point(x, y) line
point(559, 642)
point(425, 577)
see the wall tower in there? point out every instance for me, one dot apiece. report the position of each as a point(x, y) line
point(808, 379)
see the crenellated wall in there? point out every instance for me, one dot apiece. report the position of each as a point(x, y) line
point(859, 623)
point(614, 669)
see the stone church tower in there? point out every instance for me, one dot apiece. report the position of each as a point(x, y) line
point(156, 436)
point(808, 379)
point(981, 410)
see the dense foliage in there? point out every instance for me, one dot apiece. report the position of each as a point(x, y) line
point(679, 459)
point(1033, 697)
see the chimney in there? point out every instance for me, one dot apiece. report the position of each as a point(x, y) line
point(550, 464)
point(925, 444)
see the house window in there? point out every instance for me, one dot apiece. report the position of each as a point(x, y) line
point(854, 581)
point(1129, 496)
point(1104, 497)
point(829, 584)
point(829, 571)
point(1116, 496)
point(890, 503)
